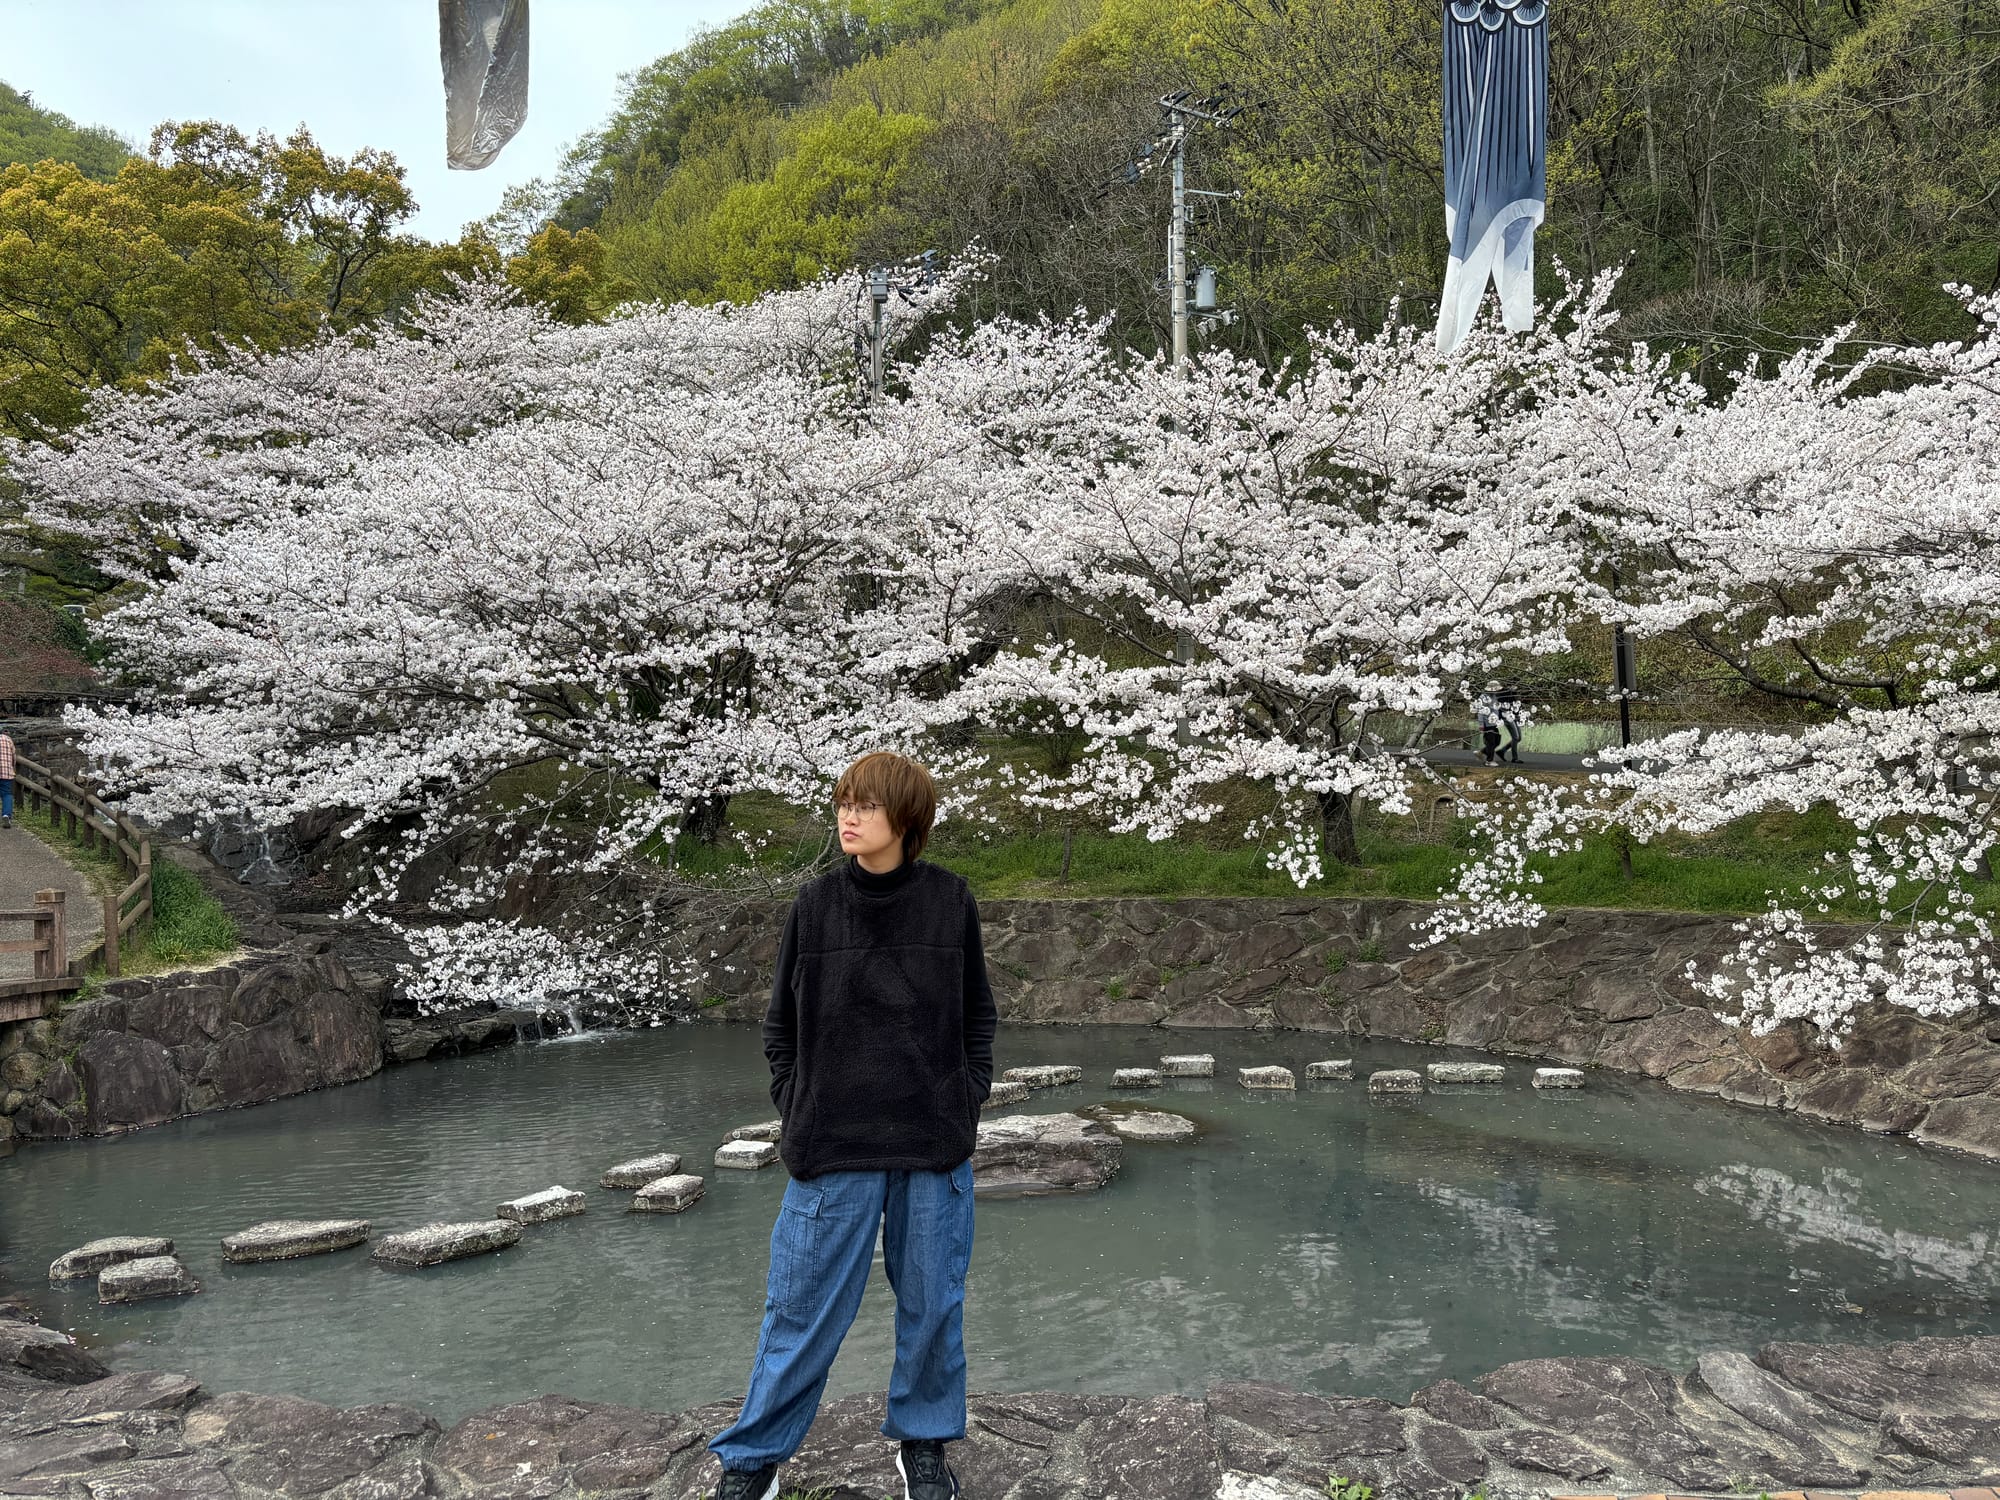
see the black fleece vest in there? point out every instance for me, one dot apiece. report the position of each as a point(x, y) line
point(880, 1027)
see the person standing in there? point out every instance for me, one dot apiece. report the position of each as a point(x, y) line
point(1486, 712)
point(1509, 706)
point(6, 778)
point(879, 1035)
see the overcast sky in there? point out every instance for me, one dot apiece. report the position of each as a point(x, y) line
point(357, 72)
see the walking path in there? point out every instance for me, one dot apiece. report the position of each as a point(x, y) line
point(28, 865)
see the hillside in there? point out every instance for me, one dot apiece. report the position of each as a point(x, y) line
point(30, 133)
point(1765, 170)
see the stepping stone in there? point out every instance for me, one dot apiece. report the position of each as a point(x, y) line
point(747, 1155)
point(1266, 1078)
point(1047, 1076)
point(434, 1244)
point(287, 1239)
point(1006, 1091)
point(1396, 1081)
point(1466, 1073)
point(768, 1131)
point(1188, 1065)
point(668, 1195)
point(1136, 1078)
point(148, 1276)
point(88, 1260)
point(1031, 1155)
point(1145, 1124)
point(1340, 1068)
point(641, 1170)
point(539, 1208)
point(1558, 1078)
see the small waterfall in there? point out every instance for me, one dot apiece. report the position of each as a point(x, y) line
point(576, 1025)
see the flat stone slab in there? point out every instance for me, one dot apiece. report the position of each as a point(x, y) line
point(30, 1349)
point(1266, 1078)
point(641, 1170)
point(147, 1277)
point(1145, 1124)
point(287, 1239)
point(1558, 1078)
point(1006, 1091)
point(434, 1244)
point(1396, 1081)
point(1340, 1068)
point(669, 1195)
point(1045, 1076)
point(89, 1259)
point(1028, 1156)
point(1137, 1078)
point(746, 1156)
point(1466, 1073)
point(1188, 1065)
point(767, 1130)
point(539, 1208)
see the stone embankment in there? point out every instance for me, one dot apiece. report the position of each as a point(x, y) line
point(1589, 988)
point(1897, 1417)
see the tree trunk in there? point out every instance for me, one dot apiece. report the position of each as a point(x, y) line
point(705, 818)
point(1336, 826)
point(1069, 836)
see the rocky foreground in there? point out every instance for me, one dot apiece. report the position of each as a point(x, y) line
point(1926, 1412)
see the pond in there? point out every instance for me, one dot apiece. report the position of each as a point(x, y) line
point(1323, 1239)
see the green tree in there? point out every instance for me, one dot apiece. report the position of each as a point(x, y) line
point(30, 133)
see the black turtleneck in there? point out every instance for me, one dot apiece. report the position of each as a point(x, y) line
point(880, 1028)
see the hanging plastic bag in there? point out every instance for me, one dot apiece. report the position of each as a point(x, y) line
point(484, 47)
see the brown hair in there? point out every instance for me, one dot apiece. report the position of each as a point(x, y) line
point(904, 789)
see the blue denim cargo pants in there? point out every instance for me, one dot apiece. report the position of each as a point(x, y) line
point(822, 1248)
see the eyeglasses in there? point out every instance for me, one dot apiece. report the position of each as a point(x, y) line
point(858, 809)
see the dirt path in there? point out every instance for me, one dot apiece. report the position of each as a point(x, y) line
point(28, 865)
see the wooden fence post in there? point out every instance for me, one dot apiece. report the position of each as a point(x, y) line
point(111, 937)
point(52, 963)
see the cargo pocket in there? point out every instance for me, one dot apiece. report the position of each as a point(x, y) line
point(795, 1250)
point(960, 1222)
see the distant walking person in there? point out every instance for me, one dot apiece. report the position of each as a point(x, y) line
point(1510, 720)
point(6, 779)
point(880, 1038)
point(1486, 710)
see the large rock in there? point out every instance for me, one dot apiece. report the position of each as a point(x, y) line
point(1463, 1072)
point(1004, 1092)
point(46, 1354)
point(1029, 1155)
point(293, 1447)
point(434, 1244)
point(1142, 1124)
point(641, 1170)
point(129, 1081)
point(1270, 1077)
point(538, 1208)
point(287, 1239)
point(669, 1195)
point(1045, 1075)
point(766, 1130)
point(143, 1279)
point(557, 1445)
point(745, 1156)
point(1188, 1065)
point(88, 1259)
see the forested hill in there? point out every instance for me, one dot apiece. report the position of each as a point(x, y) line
point(1769, 168)
point(30, 133)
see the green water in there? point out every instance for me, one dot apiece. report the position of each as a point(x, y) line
point(1320, 1239)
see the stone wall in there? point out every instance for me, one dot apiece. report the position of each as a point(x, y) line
point(1589, 987)
point(148, 1050)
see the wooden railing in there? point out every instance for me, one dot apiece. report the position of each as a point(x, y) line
point(77, 810)
point(26, 999)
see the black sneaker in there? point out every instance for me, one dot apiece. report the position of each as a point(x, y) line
point(926, 1476)
point(749, 1484)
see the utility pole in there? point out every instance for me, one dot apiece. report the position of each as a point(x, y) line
point(1177, 243)
point(871, 337)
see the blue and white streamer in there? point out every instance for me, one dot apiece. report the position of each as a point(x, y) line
point(1496, 133)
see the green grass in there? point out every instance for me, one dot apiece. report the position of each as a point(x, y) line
point(1725, 873)
point(188, 926)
